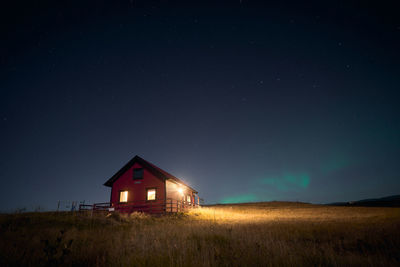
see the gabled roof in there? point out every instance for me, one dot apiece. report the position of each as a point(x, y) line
point(156, 171)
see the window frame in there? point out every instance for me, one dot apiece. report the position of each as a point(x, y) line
point(127, 196)
point(133, 174)
point(147, 193)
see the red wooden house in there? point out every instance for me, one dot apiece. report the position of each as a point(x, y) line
point(142, 186)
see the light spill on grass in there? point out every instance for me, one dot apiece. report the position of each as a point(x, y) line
point(262, 234)
point(281, 211)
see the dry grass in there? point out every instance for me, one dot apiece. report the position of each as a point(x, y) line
point(262, 234)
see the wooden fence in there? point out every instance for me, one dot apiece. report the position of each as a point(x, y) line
point(154, 207)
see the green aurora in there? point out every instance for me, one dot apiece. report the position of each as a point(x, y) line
point(283, 183)
point(240, 199)
point(274, 186)
point(335, 164)
point(288, 181)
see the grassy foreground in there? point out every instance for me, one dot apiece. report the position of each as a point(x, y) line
point(260, 234)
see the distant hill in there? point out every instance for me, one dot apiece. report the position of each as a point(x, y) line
point(390, 201)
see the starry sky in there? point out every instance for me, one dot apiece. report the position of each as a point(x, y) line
point(243, 101)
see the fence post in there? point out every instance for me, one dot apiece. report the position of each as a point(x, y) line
point(91, 213)
point(73, 206)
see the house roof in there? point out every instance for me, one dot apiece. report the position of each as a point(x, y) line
point(156, 171)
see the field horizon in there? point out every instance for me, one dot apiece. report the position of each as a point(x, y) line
point(246, 234)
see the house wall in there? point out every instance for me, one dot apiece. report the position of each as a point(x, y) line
point(137, 189)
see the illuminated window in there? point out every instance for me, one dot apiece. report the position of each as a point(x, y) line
point(151, 194)
point(188, 199)
point(138, 173)
point(123, 196)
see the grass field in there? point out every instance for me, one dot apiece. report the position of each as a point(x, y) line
point(259, 234)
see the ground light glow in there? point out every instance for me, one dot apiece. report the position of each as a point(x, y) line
point(267, 212)
point(264, 234)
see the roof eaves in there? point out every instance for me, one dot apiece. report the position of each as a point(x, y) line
point(158, 172)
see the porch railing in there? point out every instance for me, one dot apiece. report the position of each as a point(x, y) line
point(169, 205)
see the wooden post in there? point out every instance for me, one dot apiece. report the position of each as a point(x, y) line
point(91, 213)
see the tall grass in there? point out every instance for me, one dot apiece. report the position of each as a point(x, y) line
point(262, 234)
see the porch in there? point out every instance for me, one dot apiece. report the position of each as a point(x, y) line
point(167, 206)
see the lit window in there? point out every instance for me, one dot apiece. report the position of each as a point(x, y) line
point(137, 173)
point(188, 199)
point(151, 194)
point(123, 196)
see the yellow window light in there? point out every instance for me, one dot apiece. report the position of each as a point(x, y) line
point(123, 196)
point(151, 194)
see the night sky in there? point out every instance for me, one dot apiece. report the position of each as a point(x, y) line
point(243, 101)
